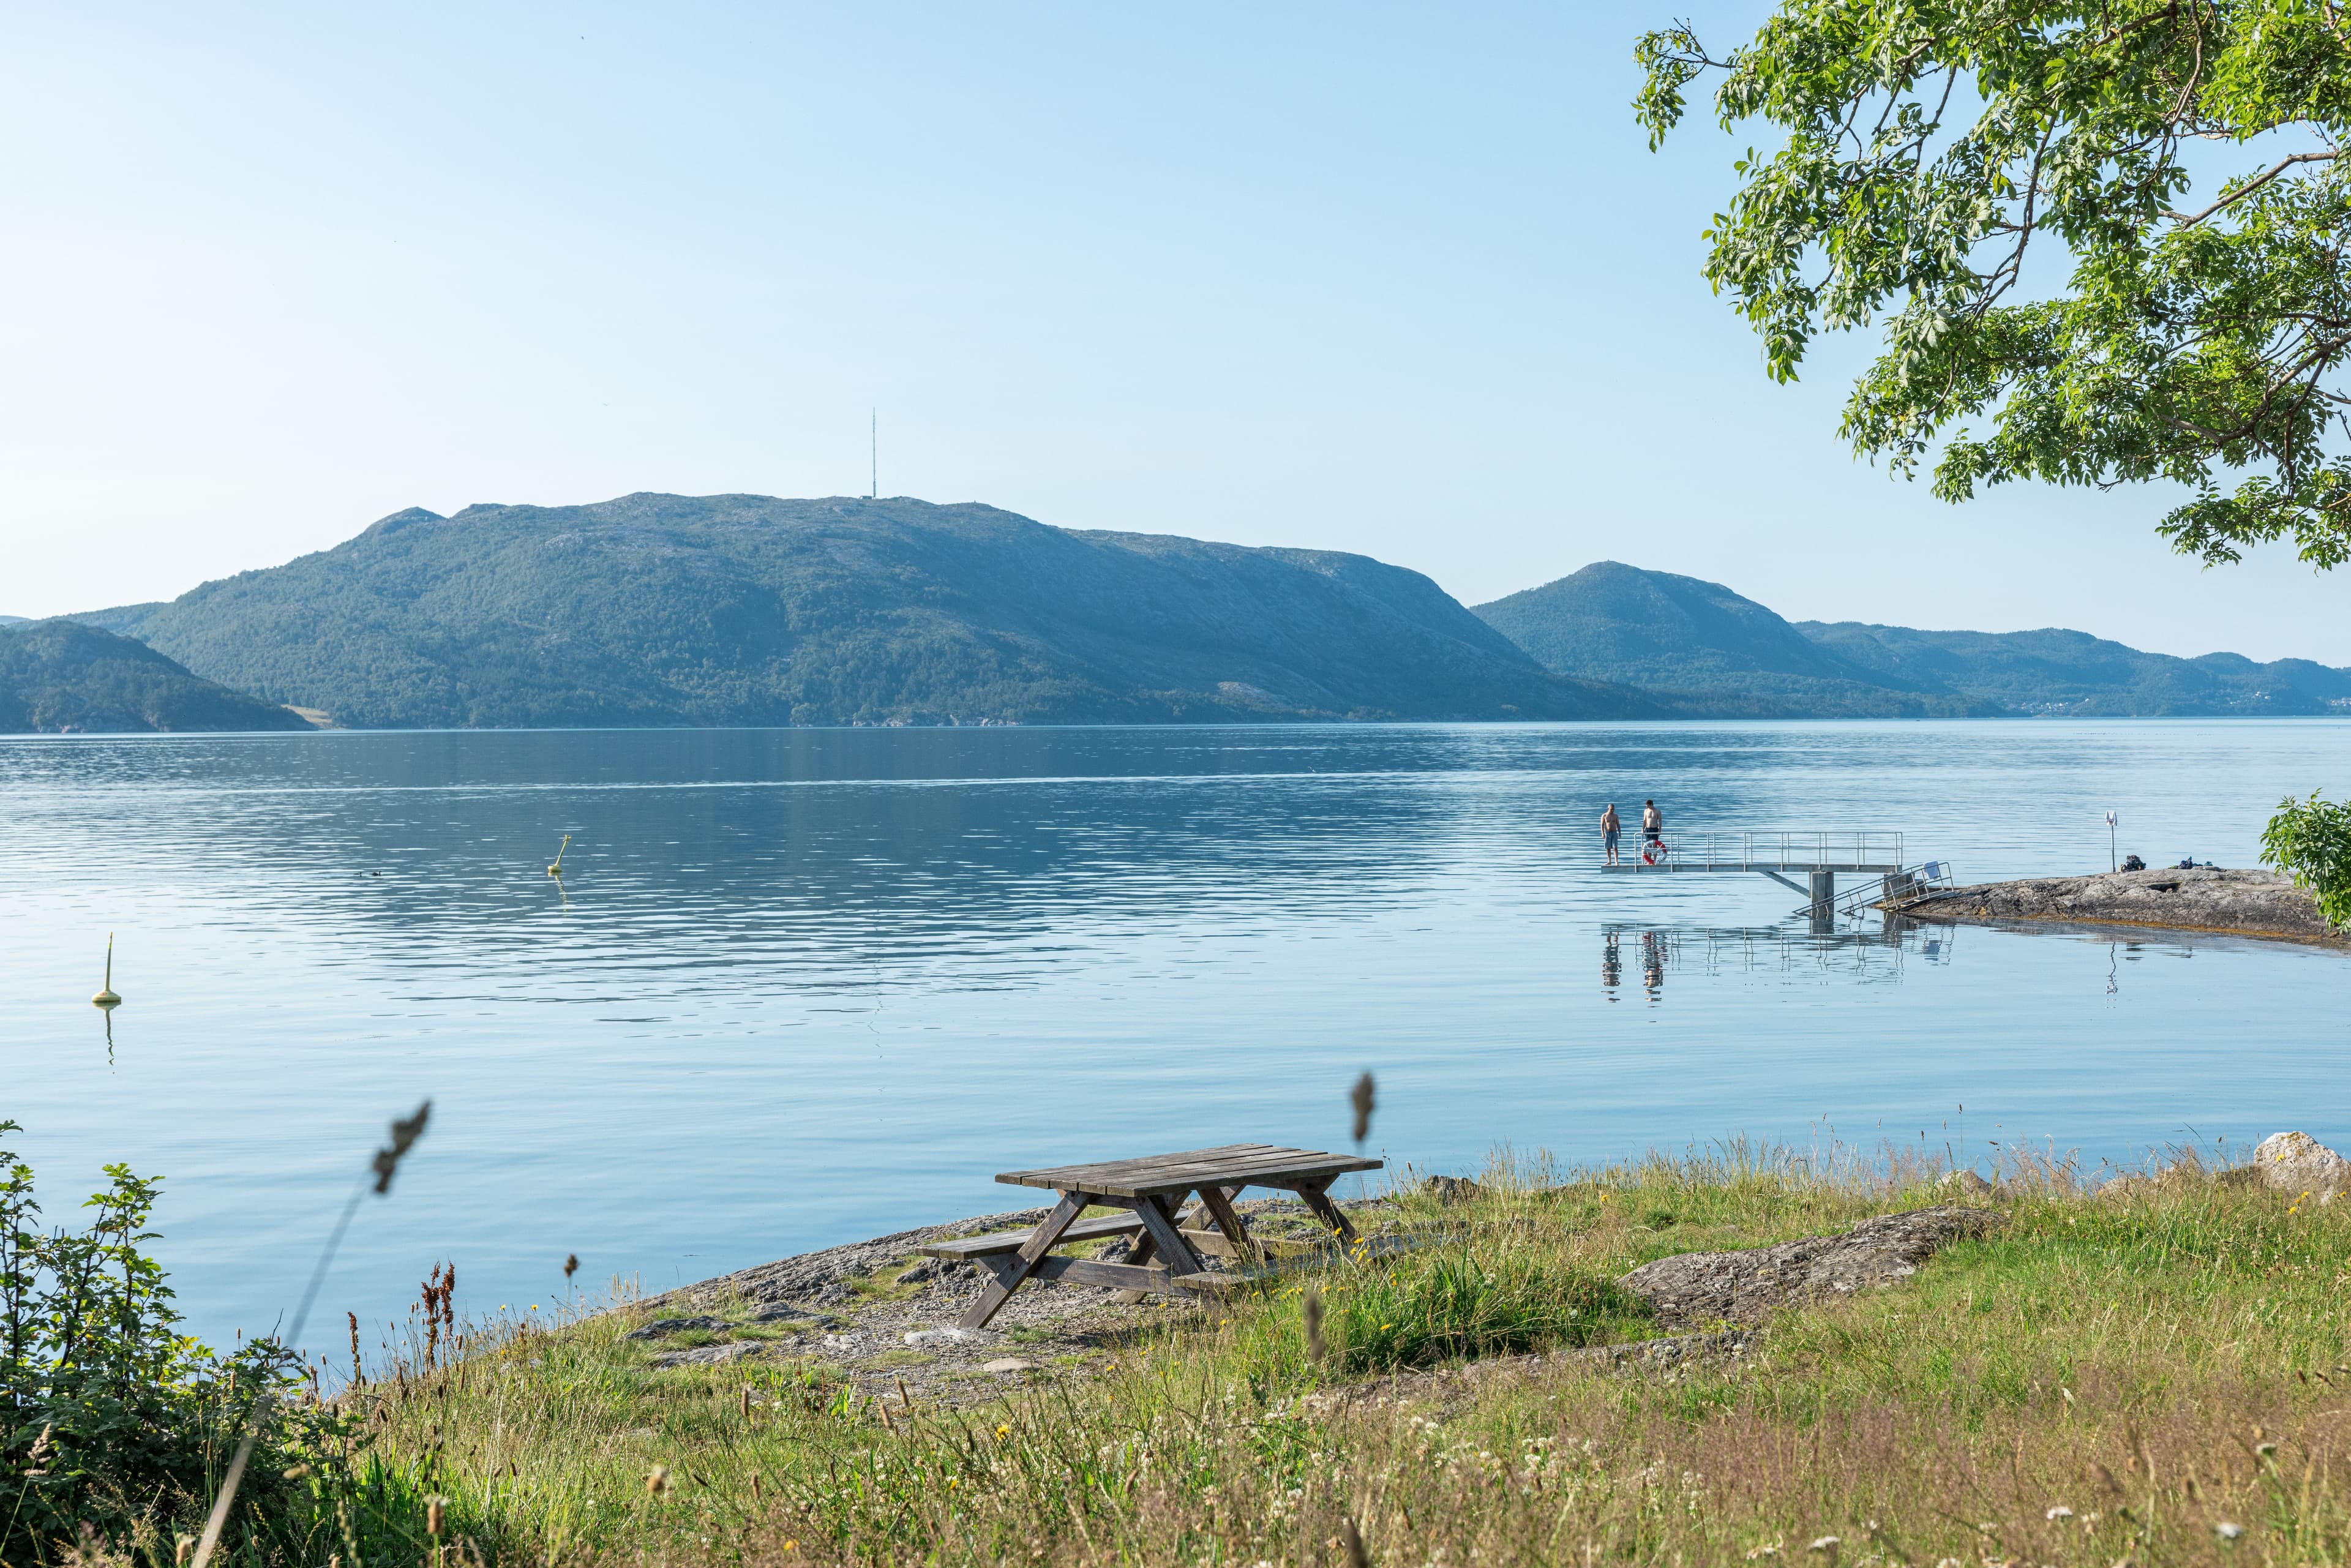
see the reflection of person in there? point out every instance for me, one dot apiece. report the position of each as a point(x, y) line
point(1612, 968)
point(1610, 826)
point(1652, 963)
point(1653, 822)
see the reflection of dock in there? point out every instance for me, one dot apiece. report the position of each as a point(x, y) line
point(1874, 955)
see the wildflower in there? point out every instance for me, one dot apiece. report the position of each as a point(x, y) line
point(2227, 1531)
point(954, 1482)
point(1003, 1432)
point(2060, 1511)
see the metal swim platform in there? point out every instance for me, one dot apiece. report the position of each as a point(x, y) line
point(1819, 855)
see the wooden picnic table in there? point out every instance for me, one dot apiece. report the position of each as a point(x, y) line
point(1152, 1190)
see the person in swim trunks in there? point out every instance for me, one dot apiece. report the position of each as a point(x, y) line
point(1653, 822)
point(1610, 826)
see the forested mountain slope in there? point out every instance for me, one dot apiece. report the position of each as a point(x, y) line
point(746, 609)
point(59, 677)
point(1711, 651)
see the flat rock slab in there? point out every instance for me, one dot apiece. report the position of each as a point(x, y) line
point(1746, 1287)
point(2243, 902)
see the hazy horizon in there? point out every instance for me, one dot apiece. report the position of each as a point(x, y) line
point(1380, 280)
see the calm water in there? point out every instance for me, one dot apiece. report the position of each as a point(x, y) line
point(797, 987)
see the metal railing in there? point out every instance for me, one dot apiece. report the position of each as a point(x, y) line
point(1782, 850)
point(1899, 889)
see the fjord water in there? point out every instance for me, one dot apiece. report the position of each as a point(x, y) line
point(802, 987)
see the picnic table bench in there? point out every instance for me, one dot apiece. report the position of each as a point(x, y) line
point(1151, 1191)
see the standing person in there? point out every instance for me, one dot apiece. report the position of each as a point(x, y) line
point(1653, 822)
point(1610, 826)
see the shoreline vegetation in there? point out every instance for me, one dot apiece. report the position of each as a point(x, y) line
point(2223, 901)
point(1741, 1355)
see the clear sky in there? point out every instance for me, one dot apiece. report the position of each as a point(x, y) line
point(1399, 279)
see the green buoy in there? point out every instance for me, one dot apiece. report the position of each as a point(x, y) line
point(105, 996)
point(557, 869)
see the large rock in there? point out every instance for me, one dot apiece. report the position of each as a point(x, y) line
point(2297, 1164)
point(2249, 902)
point(1744, 1287)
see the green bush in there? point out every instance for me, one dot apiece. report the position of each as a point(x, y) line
point(2310, 841)
point(113, 1418)
point(1466, 1299)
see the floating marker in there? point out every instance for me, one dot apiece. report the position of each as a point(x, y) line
point(557, 869)
point(105, 996)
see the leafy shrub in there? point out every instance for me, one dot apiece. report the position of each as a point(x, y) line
point(110, 1416)
point(1466, 1299)
point(2310, 841)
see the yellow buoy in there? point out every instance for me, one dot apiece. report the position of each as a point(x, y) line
point(557, 869)
point(105, 996)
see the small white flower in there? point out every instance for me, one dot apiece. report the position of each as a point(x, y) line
point(2227, 1531)
point(2060, 1511)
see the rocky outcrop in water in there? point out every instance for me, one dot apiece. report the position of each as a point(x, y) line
point(2247, 902)
point(1746, 1287)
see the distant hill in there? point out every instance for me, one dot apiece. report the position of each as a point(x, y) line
point(58, 676)
point(2076, 674)
point(1705, 651)
point(745, 609)
point(1711, 651)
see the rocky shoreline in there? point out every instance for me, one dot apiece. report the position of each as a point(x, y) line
point(880, 1317)
point(2259, 904)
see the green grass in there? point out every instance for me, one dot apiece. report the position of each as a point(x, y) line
point(2099, 1379)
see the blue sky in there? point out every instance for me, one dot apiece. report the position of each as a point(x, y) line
point(1401, 280)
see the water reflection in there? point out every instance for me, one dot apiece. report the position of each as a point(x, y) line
point(1869, 953)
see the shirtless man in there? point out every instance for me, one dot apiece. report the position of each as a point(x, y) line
point(1653, 822)
point(1610, 826)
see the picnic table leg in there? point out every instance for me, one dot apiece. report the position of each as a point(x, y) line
point(1319, 1199)
point(1146, 1247)
point(1008, 1277)
point(1159, 1224)
point(1219, 1204)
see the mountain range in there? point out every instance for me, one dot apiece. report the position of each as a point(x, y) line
point(655, 609)
point(1712, 653)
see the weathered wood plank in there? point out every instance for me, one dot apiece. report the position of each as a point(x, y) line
point(1235, 1166)
point(971, 1247)
point(1119, 1276)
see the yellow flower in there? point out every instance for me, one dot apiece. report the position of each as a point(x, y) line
point(953, 1481)
point(1003, 1432)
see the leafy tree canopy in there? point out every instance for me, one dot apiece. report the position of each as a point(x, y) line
point(2202, 341)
